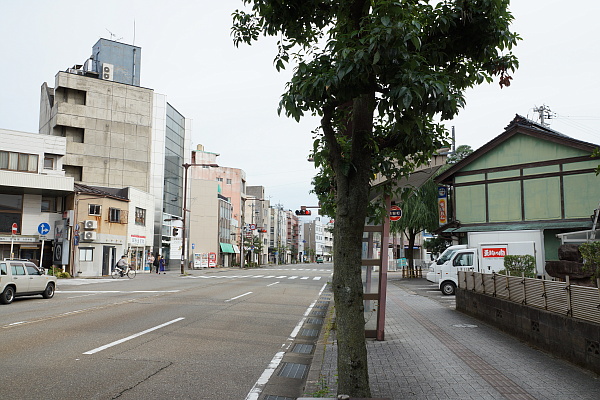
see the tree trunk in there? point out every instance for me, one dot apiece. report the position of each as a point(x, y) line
point(352, 197)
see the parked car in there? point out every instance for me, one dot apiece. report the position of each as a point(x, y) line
point(320, 260)
point(24, 278)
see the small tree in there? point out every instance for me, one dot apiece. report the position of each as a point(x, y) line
point(591, 258)
point(461, 152)
point(518, 265)
point(436, 245)
point(419, 213)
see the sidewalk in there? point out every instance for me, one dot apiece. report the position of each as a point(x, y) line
point(434, 352)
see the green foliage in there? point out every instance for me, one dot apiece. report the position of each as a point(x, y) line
point(58, 272)
point(520, 264)
point(436, 245)
point(591, 258)
point(460, 153)
point(413, 60)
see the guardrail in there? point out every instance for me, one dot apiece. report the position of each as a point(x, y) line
point(580, 302)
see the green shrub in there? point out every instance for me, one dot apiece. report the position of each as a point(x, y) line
point(57, 272)
point(591, 258)
point(518, 265)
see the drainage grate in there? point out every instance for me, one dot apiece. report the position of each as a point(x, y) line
point(321, 307)
point(271, 397)
point(309, 332)
point(303, 348)
point(291, 370)
point(318, 312)
point(316, 321)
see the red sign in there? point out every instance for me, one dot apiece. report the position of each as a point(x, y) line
point(14, 228)
point(395, 213)
point(494, 252)
point(443, 211)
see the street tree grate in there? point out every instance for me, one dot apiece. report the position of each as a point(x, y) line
point(309, 332)
point(291, 370)
point(316, 321)
point(271, 397)
point(303, 348)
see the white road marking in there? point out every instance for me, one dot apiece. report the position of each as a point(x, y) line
point(117, 291)
point(258, 387)
point(317, 278)
point(17, 323)
point(275, 283)
point(237, 297)
point(96, 350)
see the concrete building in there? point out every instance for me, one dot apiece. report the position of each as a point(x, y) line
point(292, 237)
point(277, 235)
point(33, 188)
point(257, 213)
point(231, 194)
point(121, 135)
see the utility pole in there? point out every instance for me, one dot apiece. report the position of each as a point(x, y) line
point(544, 112)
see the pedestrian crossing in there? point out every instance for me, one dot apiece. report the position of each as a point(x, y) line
point(225, 277)
point(297, 269)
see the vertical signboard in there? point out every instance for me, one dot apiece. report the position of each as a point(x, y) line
point(443, 204)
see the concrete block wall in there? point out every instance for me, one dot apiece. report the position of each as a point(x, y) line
point(568, 338)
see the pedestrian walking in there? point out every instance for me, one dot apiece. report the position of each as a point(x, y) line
point(150, 262)
point(162, 265)
point(156, 262)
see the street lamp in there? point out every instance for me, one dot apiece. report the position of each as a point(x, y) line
point(184, 255)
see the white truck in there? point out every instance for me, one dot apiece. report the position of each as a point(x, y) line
point(435, 268)
point(486, 253)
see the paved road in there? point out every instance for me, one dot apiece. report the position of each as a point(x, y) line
point(209, 335)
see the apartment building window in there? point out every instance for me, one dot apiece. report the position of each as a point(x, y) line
point(13, 161)
point(140, 216)
point(94, 209)
point(219, 179)
point(114, 215)
point(48, 204)
point(11, 209)
point(48, 162)
point(86, 254)
point(229, 181)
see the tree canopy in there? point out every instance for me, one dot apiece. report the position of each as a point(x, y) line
point(383, 76)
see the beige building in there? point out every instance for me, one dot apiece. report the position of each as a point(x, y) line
point(108, 127)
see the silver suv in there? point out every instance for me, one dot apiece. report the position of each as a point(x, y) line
point(24, 278)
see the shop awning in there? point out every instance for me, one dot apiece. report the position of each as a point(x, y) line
point(521, 226)
point(226, 248)
point(236, 249)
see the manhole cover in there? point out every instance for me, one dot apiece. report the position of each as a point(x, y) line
point(291, 370)
point(303, 348)
point(309, 332)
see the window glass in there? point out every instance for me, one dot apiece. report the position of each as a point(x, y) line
point(33, 163)
point(86, 254)
point(94, 209)
point(13, 161)
point(48, 204)
point(17, 269)
point(32, 269)
point(140, 216)
point(114, 215)
point(48, 163)
point(3, 270)
point(3, 159)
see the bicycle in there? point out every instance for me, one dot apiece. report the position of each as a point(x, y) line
point(118, 273)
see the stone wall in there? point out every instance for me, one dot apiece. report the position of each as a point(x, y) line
point(572, 339)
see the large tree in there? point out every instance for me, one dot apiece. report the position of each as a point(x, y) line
point(382, 75)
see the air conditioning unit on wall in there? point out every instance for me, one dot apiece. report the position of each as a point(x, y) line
point(90, 224)
point(107, 72)
point(88, 236)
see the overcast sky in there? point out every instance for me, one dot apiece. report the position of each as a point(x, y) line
point(231, 94)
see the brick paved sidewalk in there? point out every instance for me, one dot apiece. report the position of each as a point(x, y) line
point(434, 352)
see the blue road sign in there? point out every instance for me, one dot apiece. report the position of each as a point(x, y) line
point(44, 228)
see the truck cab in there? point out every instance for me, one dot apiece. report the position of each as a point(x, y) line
point(462, 260)
point(435, 268)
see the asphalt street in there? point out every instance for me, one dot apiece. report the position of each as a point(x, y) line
point(211, 334)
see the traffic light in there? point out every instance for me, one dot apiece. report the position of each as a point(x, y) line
point(303, 212)
point(175, 231)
